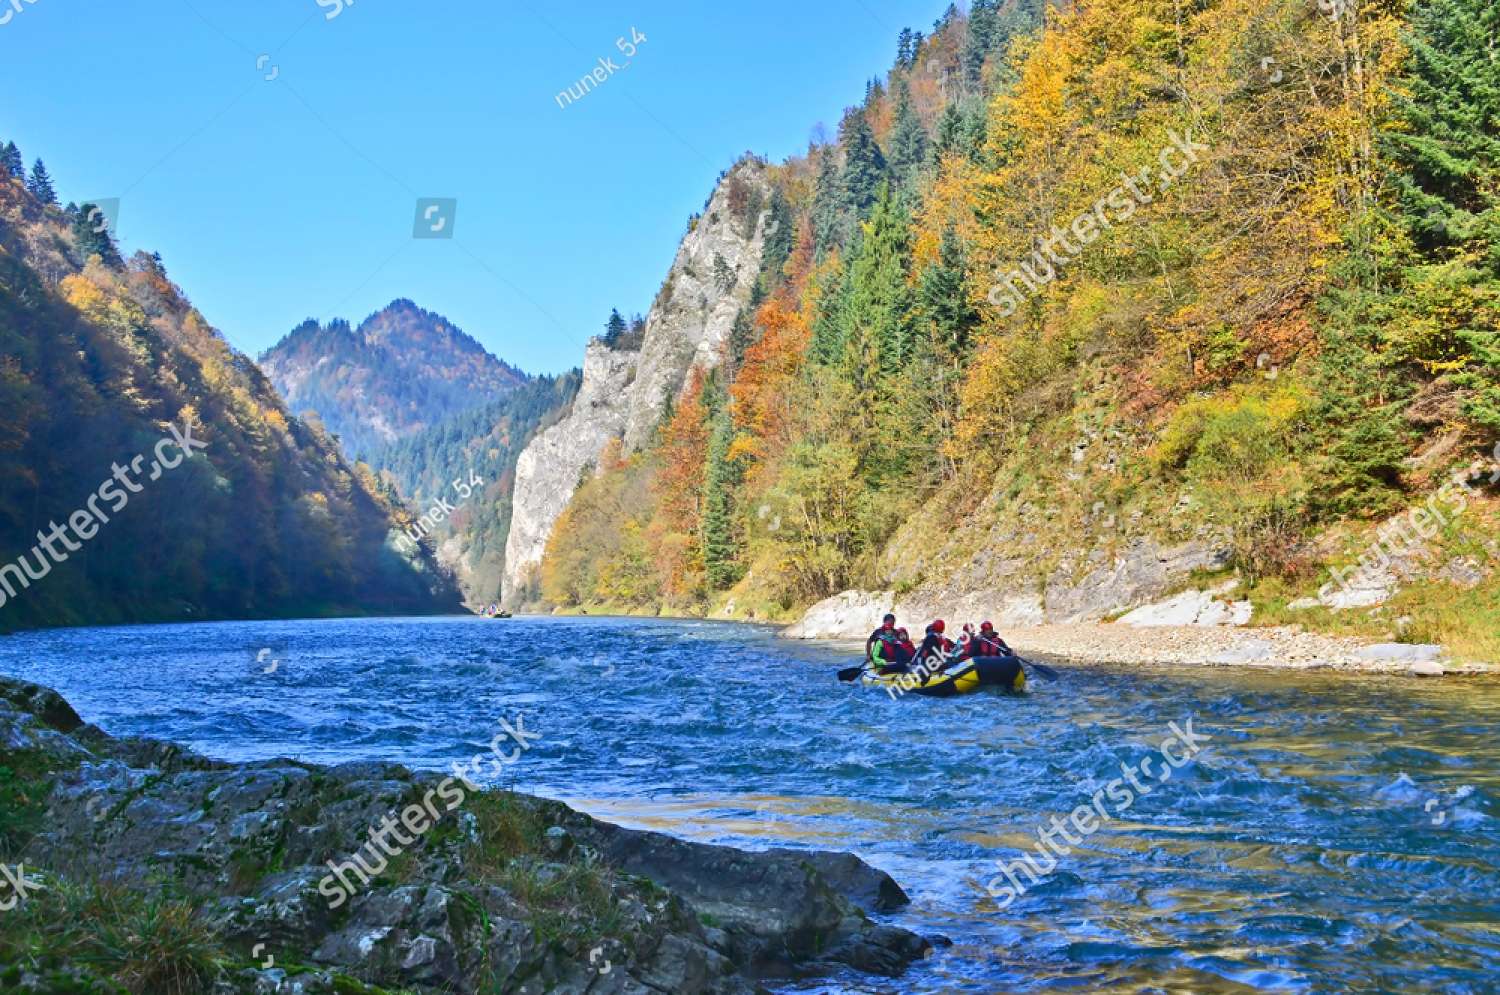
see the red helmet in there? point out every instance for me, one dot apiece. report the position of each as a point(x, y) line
point(902, 633)
point(937, 626)
point(986, 626)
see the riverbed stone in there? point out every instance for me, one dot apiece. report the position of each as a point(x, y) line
point(1402, 652)
point(1191, 608)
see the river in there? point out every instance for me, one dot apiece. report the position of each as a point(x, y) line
point(1335, 833)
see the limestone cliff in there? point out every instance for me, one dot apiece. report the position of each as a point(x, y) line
point(552, 463)
point(625, 392)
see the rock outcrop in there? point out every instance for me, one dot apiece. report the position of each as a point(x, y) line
point(551, 465)
point(1193, 607)
point(625, 393)
point(501, 892)
point(1007, 590)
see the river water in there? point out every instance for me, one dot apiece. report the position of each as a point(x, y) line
point(1334, 834)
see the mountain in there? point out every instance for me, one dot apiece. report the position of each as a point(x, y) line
point(1087, 304)
point(480, 446)
point(403, 370)
point(148, 471)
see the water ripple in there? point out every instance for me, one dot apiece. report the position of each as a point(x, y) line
point(1336, 834)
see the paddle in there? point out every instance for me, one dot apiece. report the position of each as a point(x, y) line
point(852, 673)
point(1042, 669)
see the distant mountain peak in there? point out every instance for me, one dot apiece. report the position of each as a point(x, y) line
point(401, 371)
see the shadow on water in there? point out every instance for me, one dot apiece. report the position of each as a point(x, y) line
point(1336, 833)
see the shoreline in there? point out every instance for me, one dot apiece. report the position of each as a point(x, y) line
point(1282, 647)
point(1264, 648)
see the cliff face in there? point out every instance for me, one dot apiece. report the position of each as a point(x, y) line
point(624, 393)
point(549, 467)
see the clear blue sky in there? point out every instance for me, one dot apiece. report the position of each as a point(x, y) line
point(275, 201)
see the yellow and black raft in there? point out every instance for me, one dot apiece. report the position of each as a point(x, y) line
point(1004, 672)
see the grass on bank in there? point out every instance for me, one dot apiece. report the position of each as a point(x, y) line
point(90, 937)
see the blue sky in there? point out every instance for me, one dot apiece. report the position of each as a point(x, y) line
point(276, 200)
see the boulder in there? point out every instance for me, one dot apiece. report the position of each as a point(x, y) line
point(850, 615)
point(1191, 608)
point(1401, 653)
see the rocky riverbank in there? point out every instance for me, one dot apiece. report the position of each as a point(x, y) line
point(852, 615)
point(146, 868)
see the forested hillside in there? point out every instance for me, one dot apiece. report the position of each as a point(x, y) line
point(100, 360)
point(482, 444)
point(1212, 283)
point(402, 371)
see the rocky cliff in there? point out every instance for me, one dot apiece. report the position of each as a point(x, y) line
point(624, 393)
point(195, 876)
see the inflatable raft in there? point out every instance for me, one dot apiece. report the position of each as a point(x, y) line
point(1004, 672)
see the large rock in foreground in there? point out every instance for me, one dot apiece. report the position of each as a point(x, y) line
point(224, 874)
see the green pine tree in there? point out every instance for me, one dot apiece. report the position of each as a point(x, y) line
point(878, 335)
point(719, 544)
point(904, 50)
point(943, 299)
point(40, 184)
point(11, 163)
point(829, 226)
point(864, 165)
point(1446, 148)
point(908, 141)
point(781, 237)
point(827, 347)
point(1361, 399)
point(614, 328)
point(92, 236)
point(946, 321)
point(984, 25)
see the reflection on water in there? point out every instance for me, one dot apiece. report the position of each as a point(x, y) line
point(1336, 834)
